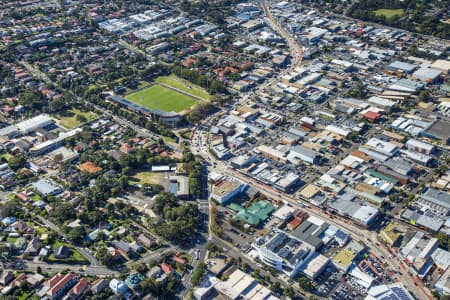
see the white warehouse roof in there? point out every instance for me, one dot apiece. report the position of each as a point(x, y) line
point(34, 123)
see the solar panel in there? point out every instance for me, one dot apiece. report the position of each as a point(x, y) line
point(400, 293)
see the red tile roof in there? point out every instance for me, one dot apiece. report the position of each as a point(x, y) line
point(294, 223)
point(371, 115)
point(179, 260)
point(81, 286)
point(61, 284)
point(54, 280)
point(166, 268)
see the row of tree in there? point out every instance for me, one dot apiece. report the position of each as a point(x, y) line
point(415, 20)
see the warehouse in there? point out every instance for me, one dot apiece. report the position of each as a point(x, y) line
point(426, 74)
point(442, 65)
point(382, 147)
point(348, 206)
point(301, 153)
point(401, 66)
point(418, 146)
point(32, 124)
point(381, 102)
point(9, 132)
point(406, 85)
point(338, 130)
point(272, 153)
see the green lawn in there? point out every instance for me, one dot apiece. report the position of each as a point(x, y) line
point(184, 85)
point(69, 120)
point(11, 240)
point(147, 177)
point(186, 135)
point(24, 296)
point(5, 156)
point(158, 97)
point(389, 13)
point(76, 256)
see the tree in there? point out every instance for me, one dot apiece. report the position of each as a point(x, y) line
point(289, 292)
point(110, 208)
point(358, 91)
point(256, 273)
point(149, 285)
point(245, 267)
point(76, 235)
point(9, 209)
point(200, 112)
point(424, 96)
point(63, 212)
point(304, 283)
point(32, 100)
point(275, 286)
point(17, 162)
point(151, 189)
point(444, 239)
point(104, 256)
point(81, 118)
point(141, 268)
point(198, 272)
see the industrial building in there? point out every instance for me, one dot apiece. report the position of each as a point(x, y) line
point(304, 154)
point(32, 124)
point(418, 146)
point(428, 75)
point(417, 253)
point(239, 285)
point(383, 147)
point(394, 291)
point(348, 206)
point(53, 144)
point(401, 66)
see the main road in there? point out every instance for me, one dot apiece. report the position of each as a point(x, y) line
point(88, 270)
point(294, 47)
point(369, 238)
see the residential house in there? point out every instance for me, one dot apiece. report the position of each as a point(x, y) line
point(33, 247)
